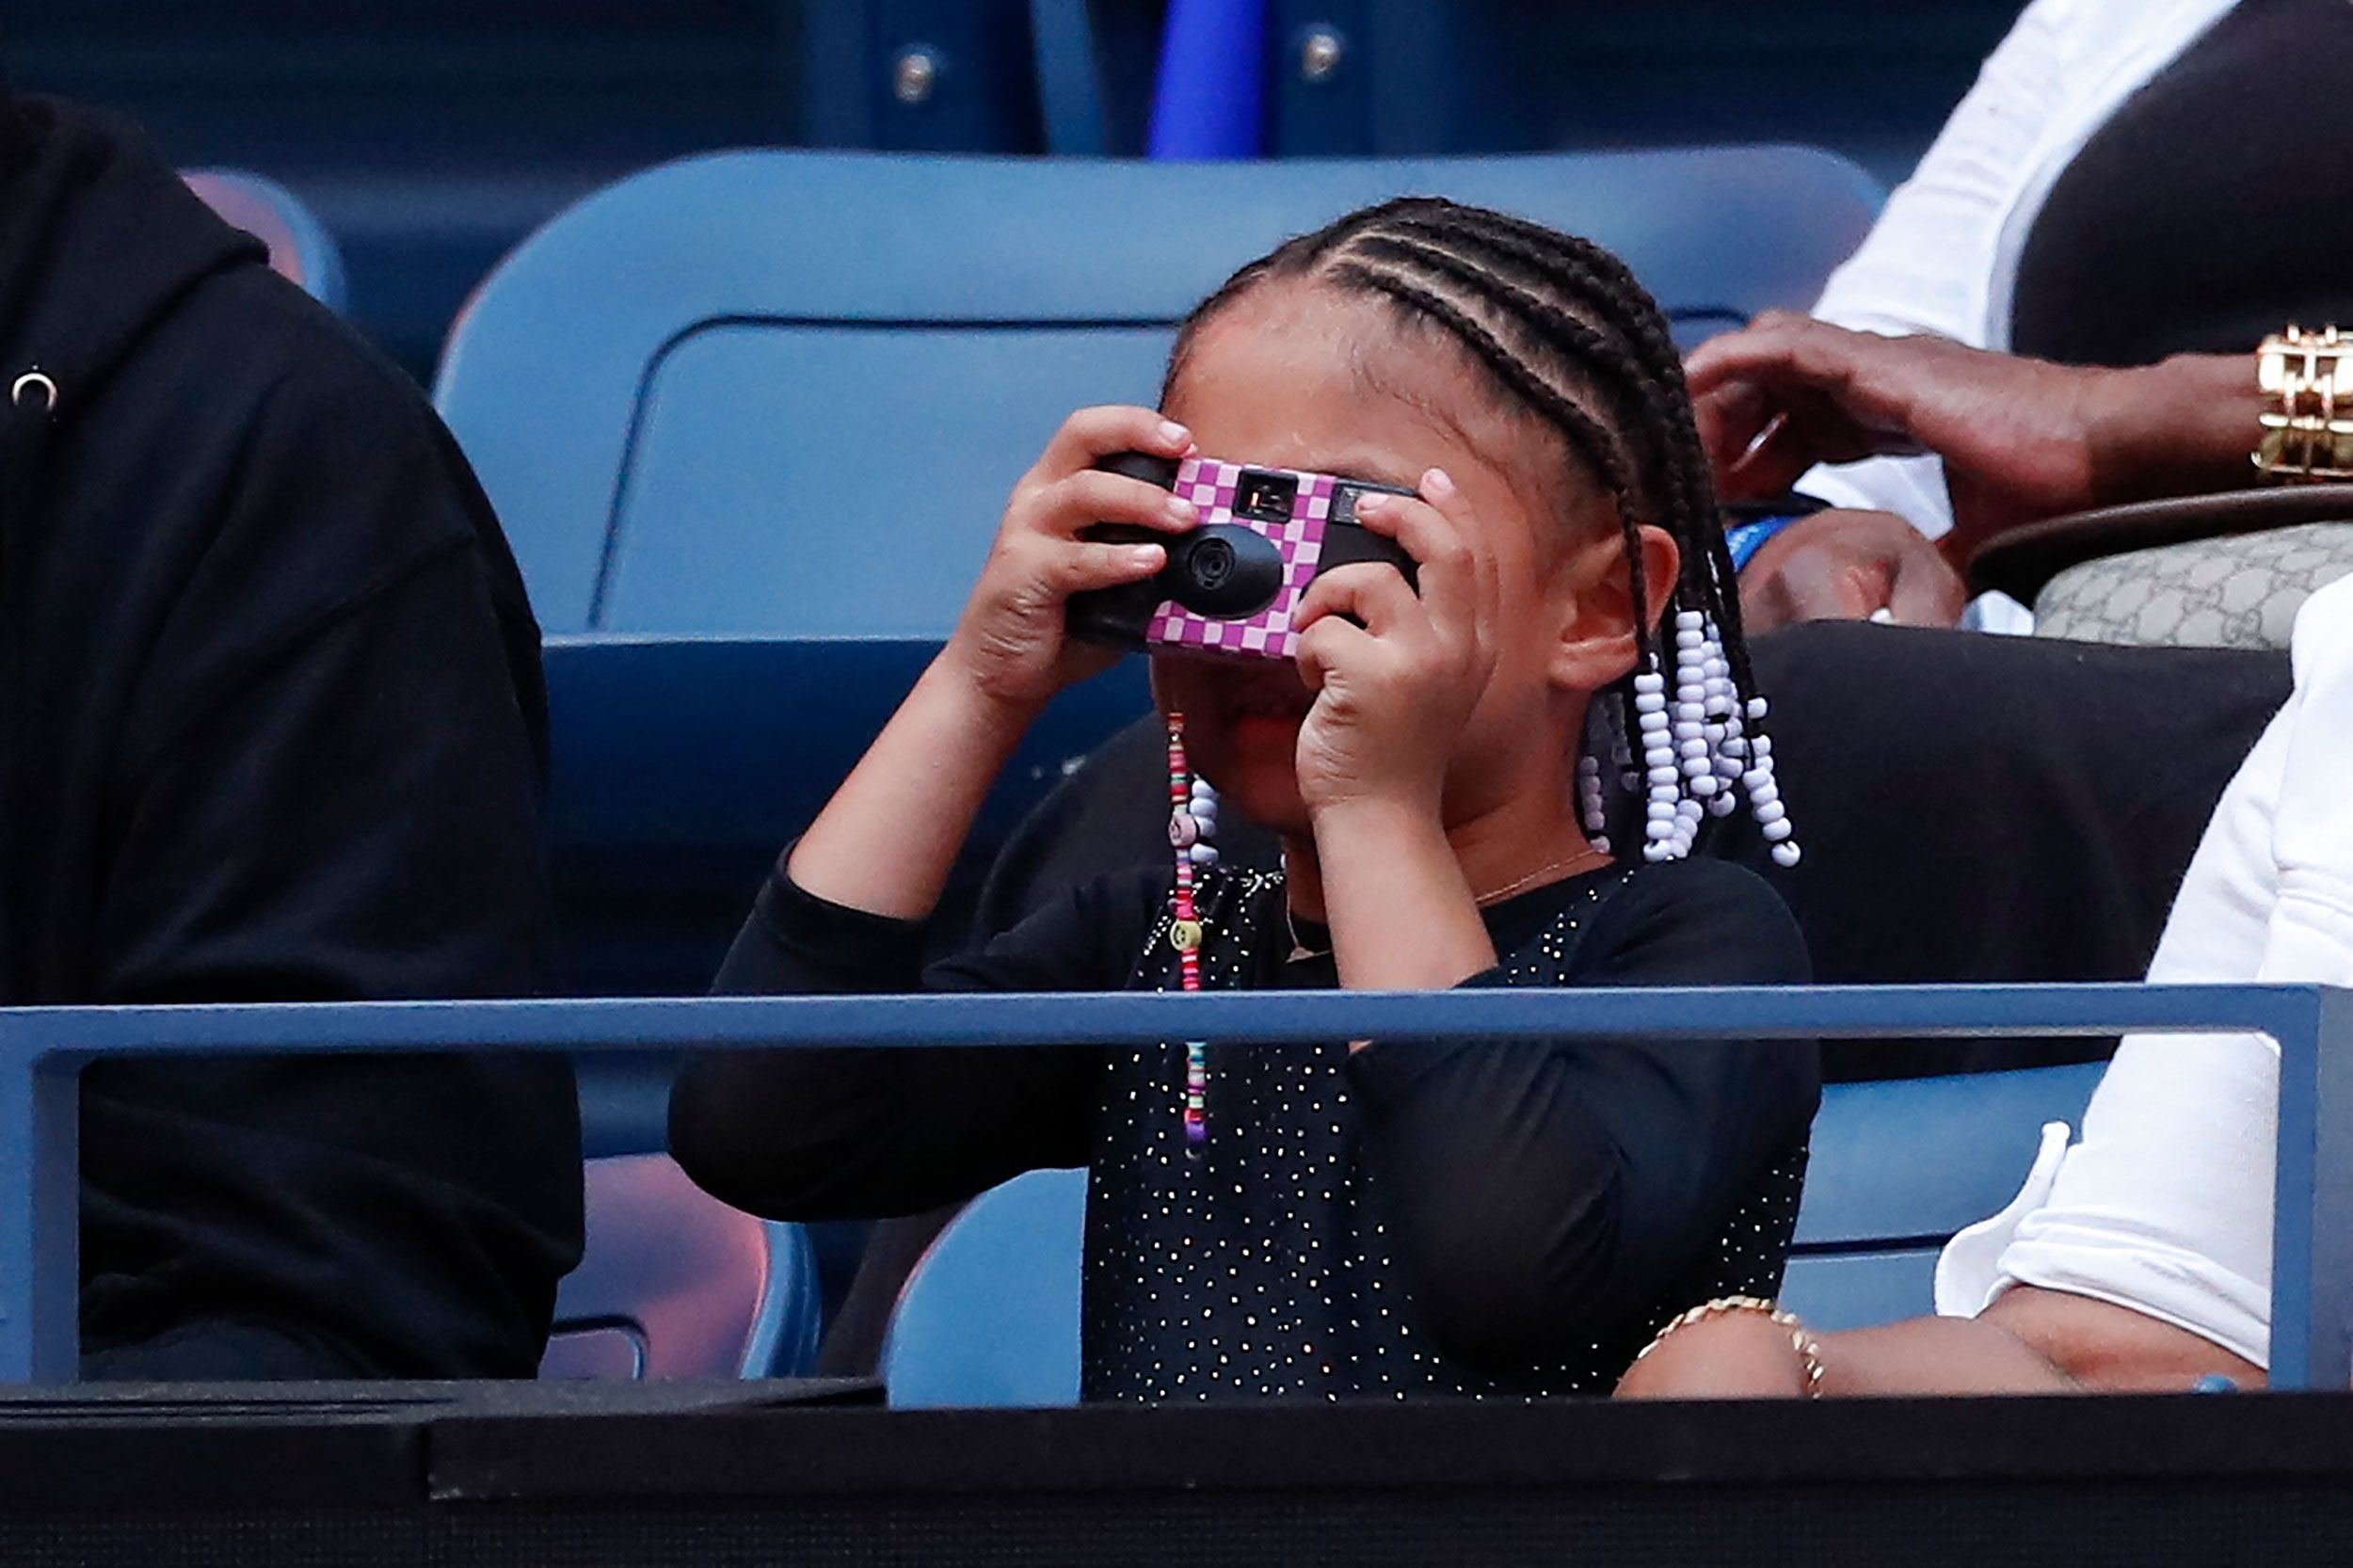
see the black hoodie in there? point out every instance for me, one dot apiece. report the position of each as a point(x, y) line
point(270, 728)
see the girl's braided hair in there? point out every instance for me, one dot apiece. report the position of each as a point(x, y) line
point(1565, 331)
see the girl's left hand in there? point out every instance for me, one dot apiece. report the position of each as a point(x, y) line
point(1395, 672)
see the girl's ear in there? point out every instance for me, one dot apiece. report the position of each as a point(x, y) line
point(1597, 613)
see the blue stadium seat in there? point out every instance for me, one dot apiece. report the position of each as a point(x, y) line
point(990, 1316)
point(681, 765)
point(785, 393)
point(300, 249)
point(1901, 1165)
point(674, 1284)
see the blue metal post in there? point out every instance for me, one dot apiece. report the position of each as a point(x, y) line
point(2312, 1267)
point(39, 1219)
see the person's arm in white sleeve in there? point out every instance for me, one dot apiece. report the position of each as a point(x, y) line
point(2140, 1259)
point(1927, 263)
point(1943, 256)
point(2166, 1206)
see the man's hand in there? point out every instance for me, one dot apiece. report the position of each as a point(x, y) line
point(2022, 440)
point(1850, 565)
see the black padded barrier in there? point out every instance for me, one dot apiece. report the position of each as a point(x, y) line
point(751, 1475)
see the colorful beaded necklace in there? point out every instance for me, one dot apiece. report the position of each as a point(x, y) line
point(1192, 823)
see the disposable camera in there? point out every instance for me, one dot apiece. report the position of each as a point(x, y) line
point(1232, 585)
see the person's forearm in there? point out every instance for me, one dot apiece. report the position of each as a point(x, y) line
point(1746, 1355)
point(2182, 426)
point(1402, 917)
point(888, 839)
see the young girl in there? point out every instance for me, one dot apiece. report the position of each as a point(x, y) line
point(1390, 1217)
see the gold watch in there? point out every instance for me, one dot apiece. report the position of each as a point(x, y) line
point(2308, 412)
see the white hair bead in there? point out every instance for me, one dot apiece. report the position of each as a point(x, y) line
point(1664, 775)
point(1649, 702)
point(1649, 682)
point(1705, 785)
point(1694, 748)
point(1688, 730)
point(1771, 811)
point(1786, 854)
point(1204, 855)
point(1775, 832)
point(1766, 793)
point(1758, 709)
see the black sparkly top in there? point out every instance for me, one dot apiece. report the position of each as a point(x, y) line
point(1416, 1216)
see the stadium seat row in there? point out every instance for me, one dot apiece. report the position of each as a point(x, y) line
point(430, 136)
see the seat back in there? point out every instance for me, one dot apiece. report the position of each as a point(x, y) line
point(300, 249)
point(674, 1284)
point(786, 393)
point(1899, 1166)
point(681, 765)
point(990, 1315)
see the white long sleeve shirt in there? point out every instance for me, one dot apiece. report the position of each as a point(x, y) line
point(1943, 256)
point(2165, 1205)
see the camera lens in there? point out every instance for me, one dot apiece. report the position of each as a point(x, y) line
point(1227, 572)
point(1210, 564)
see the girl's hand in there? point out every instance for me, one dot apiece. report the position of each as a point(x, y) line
point(1396, 673)
point(1011, 644)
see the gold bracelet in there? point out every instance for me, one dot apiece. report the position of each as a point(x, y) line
point(2304, 436)
point(1808, 1348)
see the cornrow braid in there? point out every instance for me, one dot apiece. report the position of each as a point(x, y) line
point(1585, 276)
point(1565, 330)
point(1592, 273)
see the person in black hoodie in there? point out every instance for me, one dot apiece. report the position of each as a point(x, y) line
point(271, 723)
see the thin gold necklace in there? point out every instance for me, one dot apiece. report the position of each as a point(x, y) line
point(1532, 878)
point(1301, 949)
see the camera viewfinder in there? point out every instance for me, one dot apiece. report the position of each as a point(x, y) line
point(1265, 497)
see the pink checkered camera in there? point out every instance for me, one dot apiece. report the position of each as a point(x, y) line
point(1232, 585)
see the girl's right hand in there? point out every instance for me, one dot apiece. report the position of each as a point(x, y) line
point(1012, 644)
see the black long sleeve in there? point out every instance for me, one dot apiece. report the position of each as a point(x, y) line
point(842, 1132)
point(1536, 1189)
point(1443, 1216)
